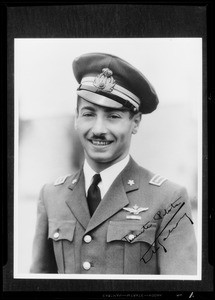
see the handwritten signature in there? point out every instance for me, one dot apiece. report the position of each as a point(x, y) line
point(159, 216)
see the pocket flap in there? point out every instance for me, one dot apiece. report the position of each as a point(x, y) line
point(131, 232)
point(61, 230)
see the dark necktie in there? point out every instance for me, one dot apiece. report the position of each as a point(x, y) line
point(94, 195)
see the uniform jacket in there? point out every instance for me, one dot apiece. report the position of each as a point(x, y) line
point(158, 240)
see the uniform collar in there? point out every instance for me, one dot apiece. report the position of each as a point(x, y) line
point(108, 175)
point(115, 199)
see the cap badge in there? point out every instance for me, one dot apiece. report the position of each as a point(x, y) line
point(105, 81)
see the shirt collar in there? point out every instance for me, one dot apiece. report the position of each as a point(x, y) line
point(108, 175)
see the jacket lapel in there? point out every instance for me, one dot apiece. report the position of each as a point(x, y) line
point(116, 197)
point(77, 201)
point(131, 176)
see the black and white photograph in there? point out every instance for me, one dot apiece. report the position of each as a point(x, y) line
point(108, 158)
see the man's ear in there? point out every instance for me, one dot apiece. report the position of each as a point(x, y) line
point(136, 119)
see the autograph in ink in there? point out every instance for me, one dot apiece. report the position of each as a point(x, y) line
point(159, 216)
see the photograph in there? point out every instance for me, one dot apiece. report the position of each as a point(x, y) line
point(108, 158)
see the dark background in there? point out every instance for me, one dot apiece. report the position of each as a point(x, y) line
point(65, 20)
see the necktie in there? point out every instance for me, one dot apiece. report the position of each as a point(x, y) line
point(94, 195)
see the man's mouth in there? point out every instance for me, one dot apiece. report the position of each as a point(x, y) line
point(100, 142)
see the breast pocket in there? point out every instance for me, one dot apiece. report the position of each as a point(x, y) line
point(61, 230)
point(62, 234)
point(137, 238)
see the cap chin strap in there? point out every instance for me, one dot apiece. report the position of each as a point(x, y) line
point(129, 104)
point(99, 99)
point(111, 88)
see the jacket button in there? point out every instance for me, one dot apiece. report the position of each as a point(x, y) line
point(86, 265)
point(56, 235)
point(131, 237)
point(87, 238)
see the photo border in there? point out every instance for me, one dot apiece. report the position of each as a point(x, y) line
point(22, 30)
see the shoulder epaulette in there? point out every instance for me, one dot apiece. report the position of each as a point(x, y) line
point(157, 180)
point(61, 179)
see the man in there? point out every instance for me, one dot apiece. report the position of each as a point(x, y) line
point(113, 216)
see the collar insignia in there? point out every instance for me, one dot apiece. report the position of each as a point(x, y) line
point(105, 81)
point(131, 182)
point(135, 209)
point(74, 181)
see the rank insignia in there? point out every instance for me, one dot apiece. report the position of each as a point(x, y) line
point(157, 180)
point(61, 180)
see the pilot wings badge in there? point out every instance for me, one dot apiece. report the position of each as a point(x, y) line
point(134, 211)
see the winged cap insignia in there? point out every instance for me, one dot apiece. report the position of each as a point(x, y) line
point(105, 81)
point(135, 209)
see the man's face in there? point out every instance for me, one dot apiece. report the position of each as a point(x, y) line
point(105, 133)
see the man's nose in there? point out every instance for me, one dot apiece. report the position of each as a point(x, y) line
point(99, 126)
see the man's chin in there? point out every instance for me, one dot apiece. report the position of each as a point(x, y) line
point(101, 158)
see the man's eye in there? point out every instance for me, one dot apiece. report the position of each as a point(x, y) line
point(114, 116)
point(87, 114)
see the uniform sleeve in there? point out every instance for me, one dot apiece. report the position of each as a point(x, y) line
point(43, 259)
point(176, 242)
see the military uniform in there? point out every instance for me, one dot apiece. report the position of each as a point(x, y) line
point(160, 241)
point(143, 224)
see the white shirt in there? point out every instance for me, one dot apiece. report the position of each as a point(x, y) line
point(107, 176)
